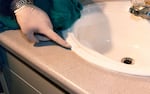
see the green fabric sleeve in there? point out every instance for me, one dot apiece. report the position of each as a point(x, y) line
point(63, 13)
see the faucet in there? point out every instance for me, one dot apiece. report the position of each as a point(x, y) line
point(140, 8)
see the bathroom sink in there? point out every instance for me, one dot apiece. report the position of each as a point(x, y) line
point(108, 36)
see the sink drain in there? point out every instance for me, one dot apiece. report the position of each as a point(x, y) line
point(127, 60)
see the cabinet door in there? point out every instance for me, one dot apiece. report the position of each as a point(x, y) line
point(17, 85)
point(32, 77)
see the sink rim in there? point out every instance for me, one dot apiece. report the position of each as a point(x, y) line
point(100, 60)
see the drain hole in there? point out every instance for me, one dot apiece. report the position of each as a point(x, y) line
point(127, 60)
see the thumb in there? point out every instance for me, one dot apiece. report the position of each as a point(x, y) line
point(30, 36)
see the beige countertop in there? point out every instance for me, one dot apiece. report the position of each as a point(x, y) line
point(70, 71)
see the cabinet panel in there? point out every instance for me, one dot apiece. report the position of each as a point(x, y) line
point(37, 81)
point(18, 86)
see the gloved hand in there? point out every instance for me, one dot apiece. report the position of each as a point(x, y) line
point(34, 20)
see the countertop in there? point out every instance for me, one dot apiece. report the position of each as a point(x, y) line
point(70, 71)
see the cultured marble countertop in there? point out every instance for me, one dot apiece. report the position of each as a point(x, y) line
point(70, 71)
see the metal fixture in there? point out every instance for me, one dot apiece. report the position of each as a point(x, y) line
point(141, 9)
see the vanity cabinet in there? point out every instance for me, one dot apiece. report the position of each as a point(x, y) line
point(22, 79)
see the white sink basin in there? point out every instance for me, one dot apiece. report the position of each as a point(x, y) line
point(106, 33)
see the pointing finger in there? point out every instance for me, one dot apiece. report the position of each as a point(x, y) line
point(55, 37)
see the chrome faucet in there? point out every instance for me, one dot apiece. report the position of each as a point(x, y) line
point(140, 8)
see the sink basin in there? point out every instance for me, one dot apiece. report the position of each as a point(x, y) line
point(108, 36)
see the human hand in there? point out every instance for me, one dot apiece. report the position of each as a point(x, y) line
point(34, 20)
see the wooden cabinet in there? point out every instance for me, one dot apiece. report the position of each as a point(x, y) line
point(17, 85)
point(22, 79)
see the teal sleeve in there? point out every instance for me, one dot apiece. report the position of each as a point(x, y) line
point(63, 13)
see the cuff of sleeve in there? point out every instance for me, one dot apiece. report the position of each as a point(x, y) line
point(17, 4)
